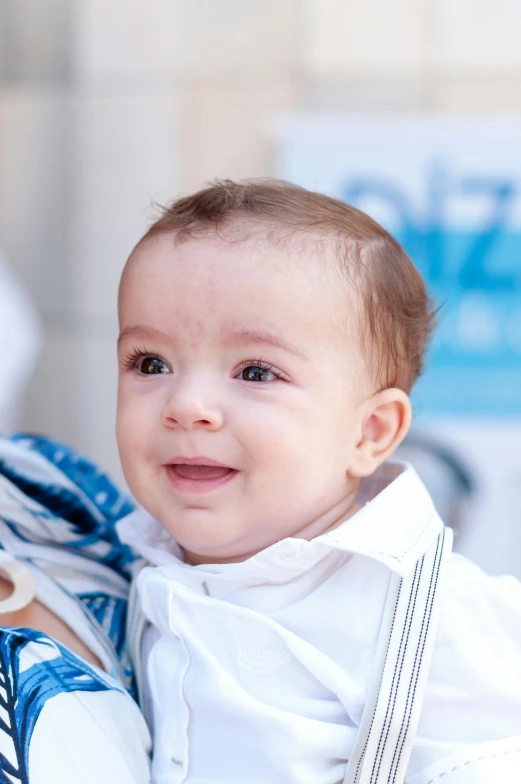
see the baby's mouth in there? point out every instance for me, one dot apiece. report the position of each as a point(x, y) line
point(200, 472)
point(189, 475)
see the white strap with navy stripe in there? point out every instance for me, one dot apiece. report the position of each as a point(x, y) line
point(392, 710)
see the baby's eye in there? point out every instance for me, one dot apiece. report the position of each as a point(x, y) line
point(151, 365)
point(257, 373)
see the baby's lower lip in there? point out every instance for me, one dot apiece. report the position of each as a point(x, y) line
point(198, 478)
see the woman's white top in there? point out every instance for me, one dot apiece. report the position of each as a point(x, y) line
point(259, 671)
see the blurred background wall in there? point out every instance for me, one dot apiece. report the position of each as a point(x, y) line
point(107, 106)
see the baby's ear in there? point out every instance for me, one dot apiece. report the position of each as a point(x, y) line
point(386, 420)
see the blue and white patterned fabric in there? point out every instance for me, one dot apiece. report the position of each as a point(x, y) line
point(62, 719)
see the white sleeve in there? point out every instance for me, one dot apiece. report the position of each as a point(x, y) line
point(86, 737)
point(64, 720)
point(473, 696)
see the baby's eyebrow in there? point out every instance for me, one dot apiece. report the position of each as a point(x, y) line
point(242, 337)
point(143, 333)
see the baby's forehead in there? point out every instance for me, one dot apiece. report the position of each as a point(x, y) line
point(272, 260)
point(283, 248)
point(260, 252)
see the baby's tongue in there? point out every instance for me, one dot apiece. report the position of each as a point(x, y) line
point(200, 471)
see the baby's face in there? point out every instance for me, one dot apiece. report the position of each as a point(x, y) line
point(240, 393)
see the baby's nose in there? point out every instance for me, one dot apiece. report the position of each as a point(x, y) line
point(193, 406)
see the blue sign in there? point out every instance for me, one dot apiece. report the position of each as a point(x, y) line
point(453, 200)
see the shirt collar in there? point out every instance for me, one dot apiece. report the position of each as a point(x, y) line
point(396, 525)
point(397, 522)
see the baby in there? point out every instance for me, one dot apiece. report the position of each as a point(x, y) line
point(299, 617)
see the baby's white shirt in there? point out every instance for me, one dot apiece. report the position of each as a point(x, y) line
point(258, 671)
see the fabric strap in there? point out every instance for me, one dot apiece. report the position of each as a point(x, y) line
point(406, 642)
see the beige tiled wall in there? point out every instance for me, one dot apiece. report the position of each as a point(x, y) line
point(477, 37)
point(126, 156)
point(123, 40)
point(109, 105)
point(370, 38)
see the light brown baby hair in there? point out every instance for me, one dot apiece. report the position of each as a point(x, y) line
point(397, 313)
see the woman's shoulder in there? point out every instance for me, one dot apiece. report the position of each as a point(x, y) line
point(51, 494)
point(58, 512)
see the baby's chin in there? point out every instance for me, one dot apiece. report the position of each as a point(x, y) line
point(196, 555)
point(204, 538)
point(198, 559)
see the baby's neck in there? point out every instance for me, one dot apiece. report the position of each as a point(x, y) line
point(335, 517)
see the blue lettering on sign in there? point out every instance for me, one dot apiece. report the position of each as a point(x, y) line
point(474, 274)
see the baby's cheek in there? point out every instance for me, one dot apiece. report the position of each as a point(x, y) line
point(124, 437)
point(285, 481)
point(130, 443)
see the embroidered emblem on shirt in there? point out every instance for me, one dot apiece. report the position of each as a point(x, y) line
point(259, 650)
